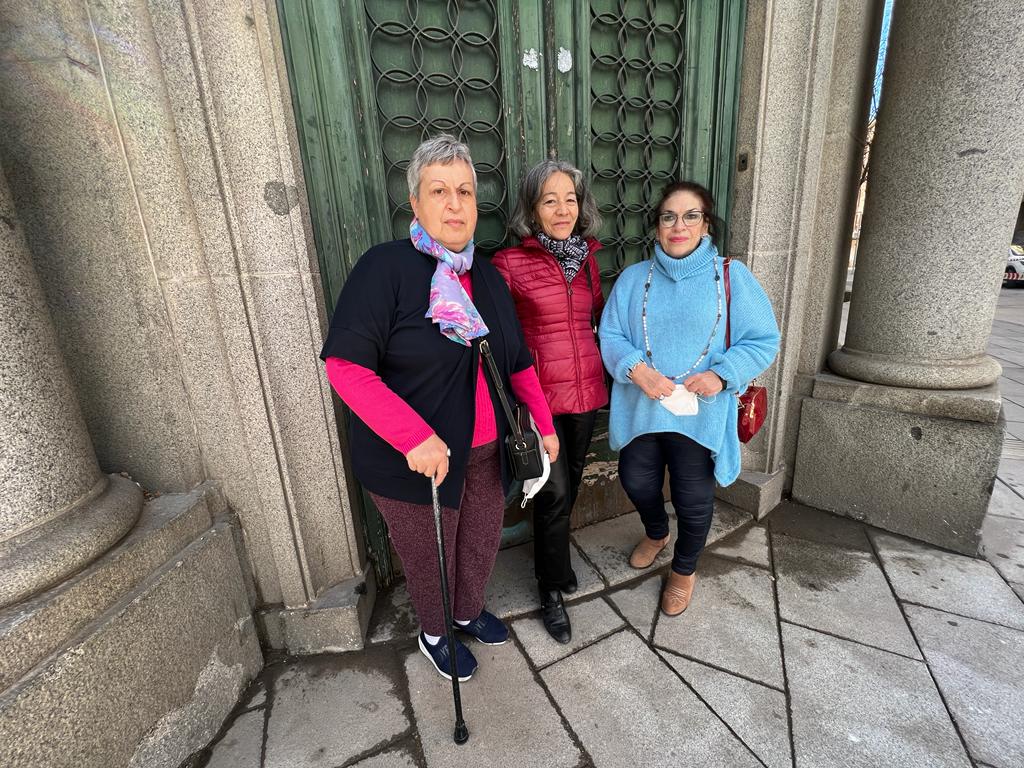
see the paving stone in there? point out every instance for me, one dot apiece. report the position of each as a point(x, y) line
point(393, 616)
point(242, 744)
point(639, 604)
point(749, 545)
point(978, 669)
point(1011, 472)
point(510, 718)
point(1002, 539)
point(590, 620)
point(756, 713)
point(730, 623)
point(855, 706)
point(947, 581)
point(841, 591)
point(1005, 502)
point(608, 544)
point(396, 758)
point(256, 695)
point(628, 708)
point(329, 709)
point(792, 519)
point(1018, 589)
point(512, 590)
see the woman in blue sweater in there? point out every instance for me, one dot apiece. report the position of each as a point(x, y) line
point(673, 399)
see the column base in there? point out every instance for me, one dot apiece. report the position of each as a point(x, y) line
point(755, 492)
point(902, 371)
point(916, 462)
point(335, 622)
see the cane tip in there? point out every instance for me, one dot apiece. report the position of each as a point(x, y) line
point(461, 733)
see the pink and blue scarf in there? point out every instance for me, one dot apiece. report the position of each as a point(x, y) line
point(449, 304)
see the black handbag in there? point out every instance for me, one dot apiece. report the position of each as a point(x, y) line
point(522, 446)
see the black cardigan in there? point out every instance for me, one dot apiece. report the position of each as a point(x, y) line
point(380, 323)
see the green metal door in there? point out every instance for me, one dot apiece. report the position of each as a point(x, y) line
point(634, 92)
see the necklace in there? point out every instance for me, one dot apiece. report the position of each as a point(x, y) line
point(714, 328)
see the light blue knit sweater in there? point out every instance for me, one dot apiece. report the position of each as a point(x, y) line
point(680, 315)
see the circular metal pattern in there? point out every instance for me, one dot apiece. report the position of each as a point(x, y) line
point(436, 68)
point(636, 117)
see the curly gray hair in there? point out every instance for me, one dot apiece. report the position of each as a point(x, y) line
point(443, 149)
point(522, 220)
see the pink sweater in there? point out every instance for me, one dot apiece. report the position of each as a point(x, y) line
point(396, 422)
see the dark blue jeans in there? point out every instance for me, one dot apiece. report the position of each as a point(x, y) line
point(691, 476)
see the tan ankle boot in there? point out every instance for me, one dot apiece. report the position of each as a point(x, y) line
point(677, 594)
point(646, 551)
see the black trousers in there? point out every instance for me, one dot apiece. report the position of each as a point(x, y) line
point(554, 502)
point(691, 481)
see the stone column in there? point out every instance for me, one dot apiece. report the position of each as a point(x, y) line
point(908, 436)
point(58, 512)
point(945, 183)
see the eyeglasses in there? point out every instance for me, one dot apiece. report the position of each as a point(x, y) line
point(690, 218)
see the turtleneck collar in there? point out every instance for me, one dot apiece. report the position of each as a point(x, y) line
point(694, 263)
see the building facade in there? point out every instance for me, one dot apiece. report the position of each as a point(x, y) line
point(182, 187)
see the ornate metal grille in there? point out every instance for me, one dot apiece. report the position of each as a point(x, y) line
point(436, 69)
point(636, 117)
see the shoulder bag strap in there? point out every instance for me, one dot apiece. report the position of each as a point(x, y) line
point(492, 369)
point(590, 288)
point(728, 302)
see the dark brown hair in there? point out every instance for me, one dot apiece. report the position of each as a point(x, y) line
point(707, 204)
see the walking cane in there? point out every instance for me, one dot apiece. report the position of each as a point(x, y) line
point(461, 735)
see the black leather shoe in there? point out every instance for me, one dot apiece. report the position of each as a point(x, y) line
point(556, 620)
point(571, 585)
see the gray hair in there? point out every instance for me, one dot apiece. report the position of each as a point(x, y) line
point(443, 149)
point(522, 221)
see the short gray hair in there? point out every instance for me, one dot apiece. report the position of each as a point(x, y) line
point(443, 149)
point(522, 221)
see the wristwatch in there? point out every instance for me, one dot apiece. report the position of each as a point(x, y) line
point(725, 384)
point(637, 364)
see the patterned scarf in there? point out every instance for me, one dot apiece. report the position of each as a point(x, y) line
point(570, 253)
point(450, 305)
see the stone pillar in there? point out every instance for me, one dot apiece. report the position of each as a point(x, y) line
point(58, 512)
point(908, 437)
point(945, 183)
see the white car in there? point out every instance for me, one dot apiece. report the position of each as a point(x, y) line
point(1014, 275)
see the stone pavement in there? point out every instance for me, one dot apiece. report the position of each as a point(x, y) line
point(812, 640)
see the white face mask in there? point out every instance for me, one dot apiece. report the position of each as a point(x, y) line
point(682, 402)
point(532, 486)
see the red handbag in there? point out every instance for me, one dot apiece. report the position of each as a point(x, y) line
point(753, 404)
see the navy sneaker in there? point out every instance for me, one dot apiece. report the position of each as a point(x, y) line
point(486, 628)
point(438, 655)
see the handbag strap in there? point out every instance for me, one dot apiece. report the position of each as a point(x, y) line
point(590, 288)
point(492, 369)
point(728, 304)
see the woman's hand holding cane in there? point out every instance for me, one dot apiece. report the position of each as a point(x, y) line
point(430, 458)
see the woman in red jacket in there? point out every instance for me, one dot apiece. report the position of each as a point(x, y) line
point(556, 286)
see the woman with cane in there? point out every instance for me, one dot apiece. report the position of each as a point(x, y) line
point(403, 353)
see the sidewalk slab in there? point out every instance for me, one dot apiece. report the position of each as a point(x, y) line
point(393, 616)
point(328, 709)
point(839, 591)
point(749, 545)
point(730, 623)
point(1005, 502)
point(978, 669)
point(640, 604)
point(950, 582)
point(756, 713)
point(1003, 541)
point(391, 759)
point(858, 707)
point(590, 620)
point(792, 519)
point(512, 590)
point(509, 716)
point(1011, 472)
point(242, 744)
point(629, 708)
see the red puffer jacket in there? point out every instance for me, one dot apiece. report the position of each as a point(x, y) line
point(556, 317)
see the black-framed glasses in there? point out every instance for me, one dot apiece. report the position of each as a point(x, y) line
point(690, 218)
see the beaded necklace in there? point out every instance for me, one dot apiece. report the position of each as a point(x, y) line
point(714, 328)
